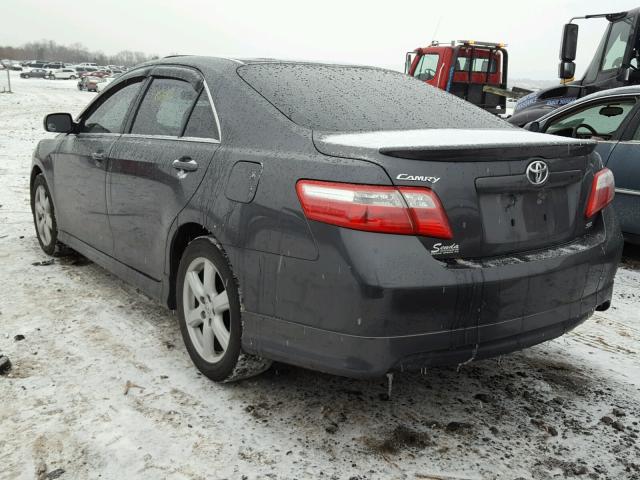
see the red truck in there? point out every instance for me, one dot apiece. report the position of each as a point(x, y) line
point(474, 71)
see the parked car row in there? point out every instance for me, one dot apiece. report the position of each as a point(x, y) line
point(61, 73)
point(90, 78)
point(64, 70)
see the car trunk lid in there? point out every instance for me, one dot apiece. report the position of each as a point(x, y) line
point(481, 179)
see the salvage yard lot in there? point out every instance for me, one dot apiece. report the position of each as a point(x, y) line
point(567, 408)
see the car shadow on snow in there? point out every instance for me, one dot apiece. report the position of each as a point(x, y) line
point(527, 403)
point(631, 256)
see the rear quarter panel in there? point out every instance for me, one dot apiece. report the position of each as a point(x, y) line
point(260, 234)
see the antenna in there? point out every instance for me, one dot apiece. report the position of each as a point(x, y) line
point(435, 32)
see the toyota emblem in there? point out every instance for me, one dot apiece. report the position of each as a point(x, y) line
point(537, 172)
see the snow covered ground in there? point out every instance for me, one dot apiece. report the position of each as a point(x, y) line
point(567, 408)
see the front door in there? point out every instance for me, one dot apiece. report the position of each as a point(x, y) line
point(80, 166)
point(156, 168)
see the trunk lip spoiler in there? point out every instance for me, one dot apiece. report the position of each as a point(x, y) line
point(490, 153)
point(458, 144)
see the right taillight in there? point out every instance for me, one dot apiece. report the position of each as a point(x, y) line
point(602, 192)
point(375, 208)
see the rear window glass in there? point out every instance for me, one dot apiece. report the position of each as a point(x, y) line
point(345, 98)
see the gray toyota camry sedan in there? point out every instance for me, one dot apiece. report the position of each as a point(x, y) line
point(347, 219)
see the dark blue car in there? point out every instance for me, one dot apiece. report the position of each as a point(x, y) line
point(612, 117)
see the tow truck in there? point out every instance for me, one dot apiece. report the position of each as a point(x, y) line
point(616, 63)
point(472, 70)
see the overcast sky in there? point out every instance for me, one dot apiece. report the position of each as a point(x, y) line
point(354, 31)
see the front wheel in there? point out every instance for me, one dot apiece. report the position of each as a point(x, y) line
point(52, 77)
point(73, 77)
point(209, 314)
point(44, 215)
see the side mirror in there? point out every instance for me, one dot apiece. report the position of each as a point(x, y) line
point(59, 123)
point(408, 61)
point(532, 126)
point(566, 70)
point(569, 42)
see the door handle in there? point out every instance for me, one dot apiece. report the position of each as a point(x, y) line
point(186, 164)
point(98, 156)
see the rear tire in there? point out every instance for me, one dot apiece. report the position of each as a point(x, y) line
point(209, 314)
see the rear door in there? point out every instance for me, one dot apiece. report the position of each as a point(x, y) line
point(158, 164)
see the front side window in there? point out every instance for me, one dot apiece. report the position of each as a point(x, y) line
point(202, 123)
point(109, 116)
point(427, 66)
point(165, 108)
point(616, 45)
point(601, 120)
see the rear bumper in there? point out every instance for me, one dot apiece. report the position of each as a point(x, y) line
point(364, 357)
point(402, 315)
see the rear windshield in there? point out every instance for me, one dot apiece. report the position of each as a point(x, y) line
point(345, 98)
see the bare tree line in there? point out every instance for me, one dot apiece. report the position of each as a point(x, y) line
point(49, 50)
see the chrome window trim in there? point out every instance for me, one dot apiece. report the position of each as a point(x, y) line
point(97, 134)
point(213, 108)
point(199, 139)
point(170, 137)
point(628, 191)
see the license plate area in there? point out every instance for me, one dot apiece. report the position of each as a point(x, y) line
point(530, 216)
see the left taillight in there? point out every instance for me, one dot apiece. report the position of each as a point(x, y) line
point(375, 208)
point(602, 192)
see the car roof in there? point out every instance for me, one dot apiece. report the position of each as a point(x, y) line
point(628, 90)
point(206, 62)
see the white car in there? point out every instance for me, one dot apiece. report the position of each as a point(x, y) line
point(63, 73)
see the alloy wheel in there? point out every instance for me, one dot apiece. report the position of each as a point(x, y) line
point(206, 309)
point(44, 219)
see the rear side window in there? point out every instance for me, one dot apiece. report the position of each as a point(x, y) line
point(165, 108)
point(109, 116)
point(202, 123)
point(345, 98)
